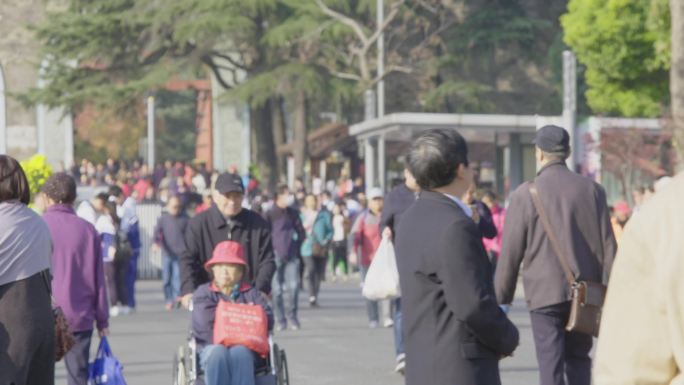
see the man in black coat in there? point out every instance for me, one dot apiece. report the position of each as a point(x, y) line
point(227, 220)
point(579, 217)
point(455, 331)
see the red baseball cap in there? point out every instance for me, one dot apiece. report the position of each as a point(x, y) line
point(227, 252)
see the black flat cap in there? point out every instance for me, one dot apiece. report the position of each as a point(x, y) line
point(552, 139)
point(227, 183)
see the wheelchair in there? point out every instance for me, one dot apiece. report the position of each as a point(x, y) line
point(270, 371)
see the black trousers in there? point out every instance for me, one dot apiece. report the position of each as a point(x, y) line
point(314, 273)
point(76, 360)
point(339, 249)
point(563, 357)
point(115, 274)
point(27, 333)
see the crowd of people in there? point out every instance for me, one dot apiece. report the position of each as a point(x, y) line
point(459, 251)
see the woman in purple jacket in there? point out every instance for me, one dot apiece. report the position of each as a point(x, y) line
point(222, 365)
point(79, 284)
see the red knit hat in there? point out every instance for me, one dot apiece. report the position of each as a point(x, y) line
point(622, 207)
point(227, 252)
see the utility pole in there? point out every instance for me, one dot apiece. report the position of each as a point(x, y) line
point(3, 116)
point(150, 132)
point(381, 59)
point(570, 103)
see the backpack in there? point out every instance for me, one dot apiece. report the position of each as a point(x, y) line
point(124, 250)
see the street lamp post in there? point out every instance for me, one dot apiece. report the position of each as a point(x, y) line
point(150, 132)
point(3, 116)
point(570, 103)
point(381, 59)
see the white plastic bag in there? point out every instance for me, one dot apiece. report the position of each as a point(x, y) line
point(382, 279)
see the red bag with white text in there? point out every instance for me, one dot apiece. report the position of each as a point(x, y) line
point(241, 324)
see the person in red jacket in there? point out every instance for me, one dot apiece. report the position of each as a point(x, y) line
point(367, 237)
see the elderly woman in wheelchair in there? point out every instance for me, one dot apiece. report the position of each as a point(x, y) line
point(225, 363)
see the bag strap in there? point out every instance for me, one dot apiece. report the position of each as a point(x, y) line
point(551, 235)
point(104, 350)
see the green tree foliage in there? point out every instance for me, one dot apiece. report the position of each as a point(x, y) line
point(37, 172)
point(624, 45)
point(177, 132)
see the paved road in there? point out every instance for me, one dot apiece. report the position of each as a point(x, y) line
point(334, 347)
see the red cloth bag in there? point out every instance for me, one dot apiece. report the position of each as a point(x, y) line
point(241, 324)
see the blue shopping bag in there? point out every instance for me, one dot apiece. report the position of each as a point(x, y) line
point(106, 369)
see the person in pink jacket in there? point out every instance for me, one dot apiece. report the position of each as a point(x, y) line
point(493, 246)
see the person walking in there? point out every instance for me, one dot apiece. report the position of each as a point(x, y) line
point(78, 285)
point(115, 252)
point(621, 214)
point(397, 202)
point(366, 235)
point(287, 234)
point(455, 331)
point(227, 220)
point(641, 339)
point(27, 328)
point(319, 233)
point(498, 215)
point(168, 236)
point(341, 228)
point(581, 223)
point(126, 212)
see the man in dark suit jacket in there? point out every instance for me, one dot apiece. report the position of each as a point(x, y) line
point(578, 214)
point(455, 331)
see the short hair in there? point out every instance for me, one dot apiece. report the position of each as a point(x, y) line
point(115, 191)
point(61, 188)
point(556, 156)
point(102, 196)
point(13, 182)
point(435, 156)
point(282, 189)
point(490, 194)
point(326, 193)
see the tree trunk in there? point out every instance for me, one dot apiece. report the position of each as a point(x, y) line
point(300, 133)
point(278, 130)
point(265, 155)
point(677, 77)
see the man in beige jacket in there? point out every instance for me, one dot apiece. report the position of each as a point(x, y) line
point(642, 330)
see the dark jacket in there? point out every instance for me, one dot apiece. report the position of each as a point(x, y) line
point(397, 202)
point(204, 302)
point(455, 331)
point(486, 223)
point(287, 232)
point(578, 213)
point(210, 228)
point(170, 232)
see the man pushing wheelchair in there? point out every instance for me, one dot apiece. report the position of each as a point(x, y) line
point(231, 320)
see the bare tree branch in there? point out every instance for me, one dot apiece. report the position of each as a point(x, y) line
point(344, 75)
point(389, 70)
point(229, 60)
point(346, 20)
point(207, 59)
point(388, 20)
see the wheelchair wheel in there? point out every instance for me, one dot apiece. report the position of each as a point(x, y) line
point(180, 369)
point(283, 371)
